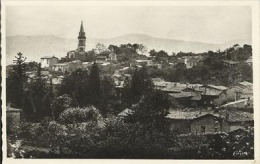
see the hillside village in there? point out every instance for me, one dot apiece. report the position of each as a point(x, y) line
point(186, 94)
point(208, 93)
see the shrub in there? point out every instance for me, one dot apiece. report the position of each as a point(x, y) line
point(78, 115)
point(60, 104)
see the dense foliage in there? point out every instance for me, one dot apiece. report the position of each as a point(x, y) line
point(118, 139)
point(211, 71)
point(78, 115)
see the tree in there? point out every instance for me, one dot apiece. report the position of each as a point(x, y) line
point(90, 56)
point(179, 73)
point(38, 101)
point(16, 82)
point(152, 52)
point(247, 72)
point(32, 66)
point(76, 86)
point(108, 93)
point(138, 86)
point(94, 86)
point(142, 49)
point(114, 49)
point(60, 103)
point(160, 55)
point(100, 48)
point(151, 111)
point(173, 54)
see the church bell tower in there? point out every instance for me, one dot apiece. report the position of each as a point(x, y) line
point(82, 39)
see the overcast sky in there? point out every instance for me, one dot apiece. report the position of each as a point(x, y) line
point(210, 24)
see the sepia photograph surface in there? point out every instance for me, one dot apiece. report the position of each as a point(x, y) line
point(130, 80)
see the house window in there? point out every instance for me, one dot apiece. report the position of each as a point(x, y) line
point(216, 130)
point(202, 129)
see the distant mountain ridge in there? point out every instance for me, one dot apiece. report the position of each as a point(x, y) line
point(36, 46)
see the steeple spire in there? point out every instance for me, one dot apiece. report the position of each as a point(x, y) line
point(81, 27)
point(82, 39)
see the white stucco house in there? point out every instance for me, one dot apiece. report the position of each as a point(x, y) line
point(48, 61)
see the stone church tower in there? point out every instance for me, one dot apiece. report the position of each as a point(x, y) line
point(80, 53)
point(82, 39)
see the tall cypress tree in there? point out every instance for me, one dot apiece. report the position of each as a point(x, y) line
point(94, 86)
point(38, 96)
point(15, 82)
point(139, 85)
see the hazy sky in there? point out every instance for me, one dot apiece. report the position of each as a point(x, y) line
point(210, 24)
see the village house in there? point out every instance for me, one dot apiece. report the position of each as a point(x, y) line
point(157, 79)
point(75, 65)
point(189, 61)
point(119, 86)
point(185, 59)
point(195, 87)
point(193, 94)
point(245, 84)
point(125, 113)
point(106, 56)
point(214, 95)
point(180, 120)
point(174, 87)
point(183, 98)
point(244, 90)
point(230, 63)
point(234, 93)
point(242, 103)
point(123, 70)
point(86, 65)
point(207, 122)
point(192, 62)
point(48, 61)
point(188, 95)
point(159, 83)
point(141, 63)
point(55, 80)
point(140, 57)
point(67, 66)
point(61, 67)
point(156, 65)
point(119, 81)
point(249, 61)
point(168, 87)
point(107, 68)
point(180, 61)
point(101, 59)
point(247, 93)
point(13, 115)
point(32, 75)
point(112, 56)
